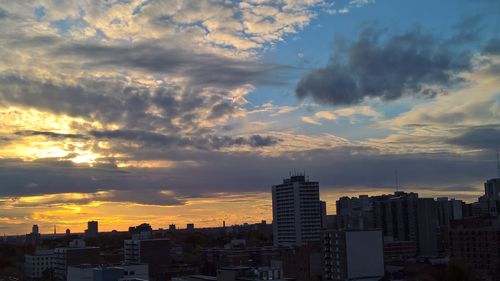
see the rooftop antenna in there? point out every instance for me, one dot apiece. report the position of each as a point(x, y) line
point(498, 165)
point(397, 179)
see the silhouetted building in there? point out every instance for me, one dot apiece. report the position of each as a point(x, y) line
point(476, 242)
point(120, 272)
point(296, 211)
point(77, 253)
point(322, 211)
point(490, 202)
point(399, 250)
point(92, 229)
point(141, 232)
point(355, 212)
point(171, 228)
point(353, 254)
point(153, 252)
point(301, 263)
point(190, 227)
point(68, 232)
point(34, 237)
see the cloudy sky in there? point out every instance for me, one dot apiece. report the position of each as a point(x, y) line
point(131, 111)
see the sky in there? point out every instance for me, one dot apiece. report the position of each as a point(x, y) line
point(132, 111)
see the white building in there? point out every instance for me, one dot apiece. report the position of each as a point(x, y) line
point(353, 254)
point(36, 264)
point(121, 272)
point(296, 211)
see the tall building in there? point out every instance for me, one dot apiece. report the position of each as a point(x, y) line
point(296, 211)
point(355, 212)
point(34, 237)
point(490, 202)
point(92, 229)
point(353, 254)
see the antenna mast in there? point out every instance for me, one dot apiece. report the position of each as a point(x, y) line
point(397, 179)
point(498, 165)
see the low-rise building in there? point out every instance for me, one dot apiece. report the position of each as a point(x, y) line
point(119, 272)
point(476, 243)
point(76, 254)
point(37, 263)
point(353, 254)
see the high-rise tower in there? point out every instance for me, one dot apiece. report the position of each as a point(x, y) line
point(296, 211)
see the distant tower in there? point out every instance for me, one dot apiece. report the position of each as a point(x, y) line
point(55, 231)
point(68, 232)
point(224, 224)
point(92, 229)
point(34, 229)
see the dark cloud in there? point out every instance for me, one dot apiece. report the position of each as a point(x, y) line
point(467, 30)
point(339, 168)
point(413, 63)
point(492, 47)
point(148, 139)
point(114, 101)
point(49, 134)
point(203, 69)
point(3, 14)
point(481, 137)
point(144, 197)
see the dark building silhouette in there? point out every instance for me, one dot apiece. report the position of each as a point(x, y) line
point(92, 229)
point(475, 242)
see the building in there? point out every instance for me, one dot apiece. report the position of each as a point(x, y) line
point(190, 227)
point(296, 211)
point(399, 250)
point(322, 211)
point(352, 254)
point(156, 253)
point(34, 237)
point(355, 212)
point(171, 228)
point(77, 253)
point(301, 263)
point(238, 273)
point(36, 264)
point(490, 202)
point(141, 232)
point(119, 272)
point(241, 256)
point(476, 243)
point(92, 229)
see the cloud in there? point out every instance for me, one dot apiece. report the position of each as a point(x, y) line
point(412, 63)
point(479, 137)
point(492, 47)
point(352, 113)
point(114, 101)
point(147, 138)
point(143, 197)
point(203, 69)
point(310, 120)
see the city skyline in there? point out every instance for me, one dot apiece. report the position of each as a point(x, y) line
point(175, 112)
